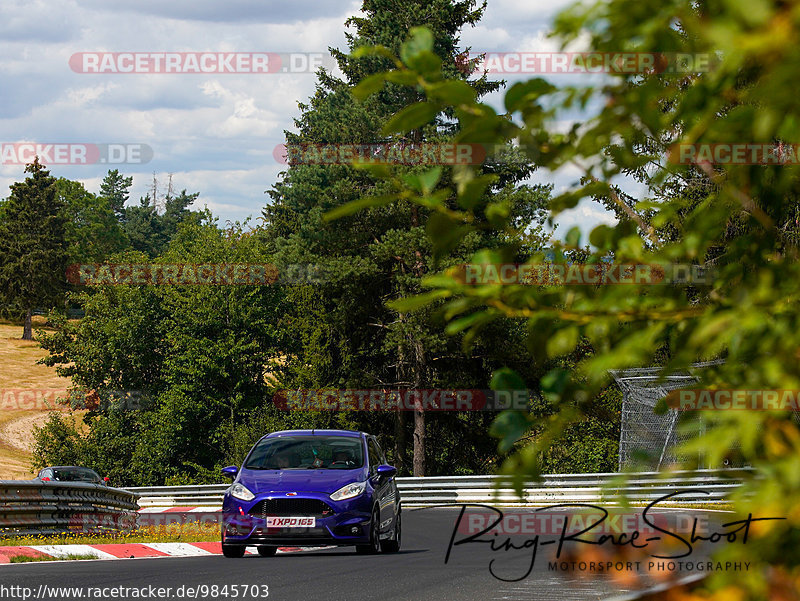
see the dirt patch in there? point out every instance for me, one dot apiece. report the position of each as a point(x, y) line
point(18, 433)
point(19, 371)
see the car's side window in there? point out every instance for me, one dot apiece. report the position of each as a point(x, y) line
point(381, 456)
point(374, 455)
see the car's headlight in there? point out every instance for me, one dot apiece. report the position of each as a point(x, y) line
point(241, 492)
point(349, 491)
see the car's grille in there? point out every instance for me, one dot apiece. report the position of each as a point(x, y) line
point(292, 507)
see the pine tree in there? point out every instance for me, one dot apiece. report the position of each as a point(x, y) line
point(116, 190)
point(33, 251)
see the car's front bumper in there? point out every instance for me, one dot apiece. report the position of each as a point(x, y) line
point(346, 522)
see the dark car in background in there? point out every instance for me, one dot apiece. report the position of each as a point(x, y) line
point(312, 488)
point(71, 473)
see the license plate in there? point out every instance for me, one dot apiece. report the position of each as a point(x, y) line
point(290, 522)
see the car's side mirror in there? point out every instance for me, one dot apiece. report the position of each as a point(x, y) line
point(230, 471)
point(386, 471)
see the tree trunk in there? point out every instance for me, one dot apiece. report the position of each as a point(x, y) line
point(419, 411)
point(400, 440)
point(27, 332)
point(419, 441)
point(418, 363)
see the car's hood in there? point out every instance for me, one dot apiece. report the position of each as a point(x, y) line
point(321, 481)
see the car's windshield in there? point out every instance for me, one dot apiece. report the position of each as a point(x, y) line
point(306, 452)
point(75, 475)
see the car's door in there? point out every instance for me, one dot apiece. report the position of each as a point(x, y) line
point(382, 485)
point(393, 494)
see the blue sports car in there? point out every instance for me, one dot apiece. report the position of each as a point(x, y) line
point(312, 488)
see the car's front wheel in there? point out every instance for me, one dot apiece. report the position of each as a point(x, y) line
point(233, 550)
point(393, 544)
point(267, 551)
point(374, 545)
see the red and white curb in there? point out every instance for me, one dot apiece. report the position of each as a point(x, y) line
point(148, 516)
point(130, 550)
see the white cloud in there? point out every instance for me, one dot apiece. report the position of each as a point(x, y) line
point(215, 134)
point(39, 21)
point(239, 11)
point(586, 216)
point(81, 97)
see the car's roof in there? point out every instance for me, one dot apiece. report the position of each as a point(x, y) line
point(344, 433)
point(67, 467)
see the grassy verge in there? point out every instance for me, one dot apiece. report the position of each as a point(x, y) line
point(172, 533)
point(26, 558)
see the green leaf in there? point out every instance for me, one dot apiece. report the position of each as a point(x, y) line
point(376, 169)
point(426, 181)
point(472, 192)
point(661, 407)
point(434, 200)
point(601, 236)
point(363, 51)
point(425, 63)
point(476, 326)
point(420, 40)
point(403, 78)
point(573, 237)
point(455, 306)
point(506, 378)
point(410, 304)
point(498, 213)
point(563, 342)
point(369, 85)
point(412, 117)
point(509, 427)
point(554, 382)
point(357, 205)
point(527, 91)
point(462, 323)
point(445, 233)
point(452, 92)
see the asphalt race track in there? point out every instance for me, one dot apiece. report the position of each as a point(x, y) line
point(418, 572)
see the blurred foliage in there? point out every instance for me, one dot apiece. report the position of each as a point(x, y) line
point(739, 218)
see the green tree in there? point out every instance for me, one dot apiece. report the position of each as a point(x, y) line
point(198, 356)
point(348, 337)
point(33, 250)
point(149, 230)
point(142, 227)
point(92, 231)
point(115, 190)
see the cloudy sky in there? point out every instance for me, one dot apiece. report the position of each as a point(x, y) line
point(214, 132)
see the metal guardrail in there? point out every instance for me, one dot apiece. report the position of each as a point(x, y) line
point(704, 486)
point(36, 507)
